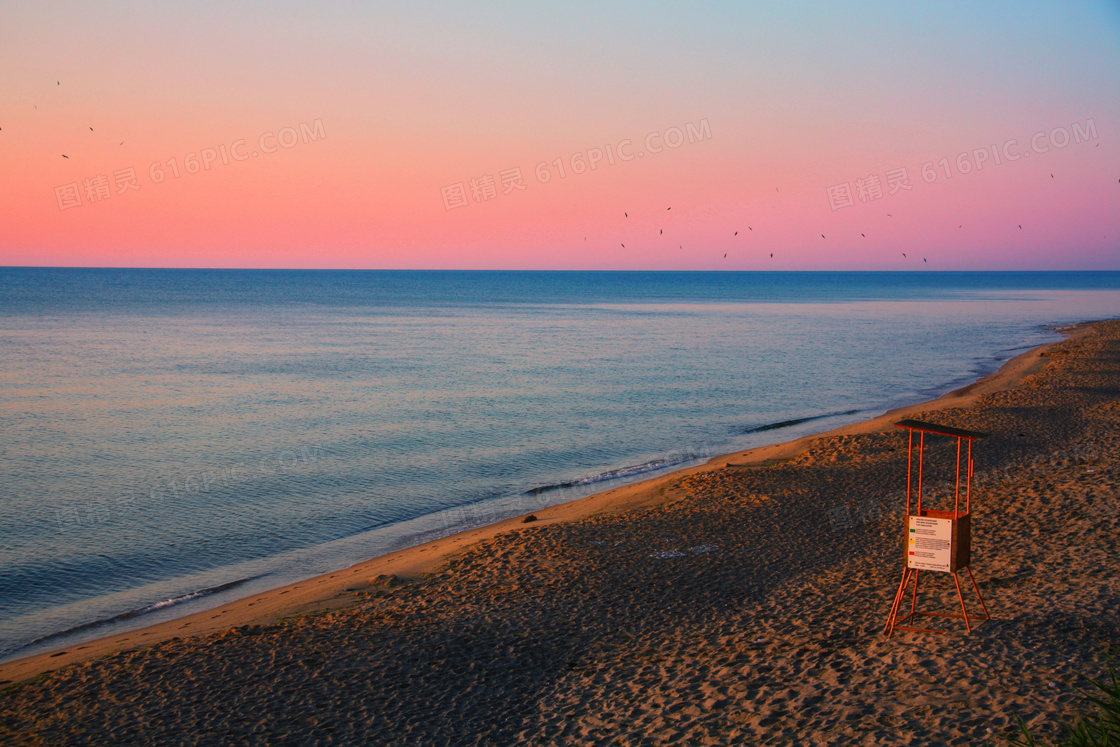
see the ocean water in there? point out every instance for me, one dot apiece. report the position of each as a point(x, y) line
point(173, 439)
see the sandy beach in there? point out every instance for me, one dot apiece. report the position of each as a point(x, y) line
point(741, 601)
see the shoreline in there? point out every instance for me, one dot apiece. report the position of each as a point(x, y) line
point(336, 590)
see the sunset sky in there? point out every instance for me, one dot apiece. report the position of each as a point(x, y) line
point(350, 135)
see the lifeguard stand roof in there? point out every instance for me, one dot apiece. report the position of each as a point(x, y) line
point(943, 430)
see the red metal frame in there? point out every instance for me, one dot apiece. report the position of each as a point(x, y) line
point(894, 622)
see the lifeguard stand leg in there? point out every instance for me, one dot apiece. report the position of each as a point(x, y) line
point(914, 596)
point(960, 596)
point(987, 615)
point(897, 601)
point(896, 608)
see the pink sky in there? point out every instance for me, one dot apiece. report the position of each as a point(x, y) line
point(398, 105)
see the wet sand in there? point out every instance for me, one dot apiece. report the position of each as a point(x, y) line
point(740, 600)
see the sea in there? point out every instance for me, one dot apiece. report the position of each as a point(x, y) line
point(176, 439)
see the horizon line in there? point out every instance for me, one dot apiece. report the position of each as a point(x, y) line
point(522, 270)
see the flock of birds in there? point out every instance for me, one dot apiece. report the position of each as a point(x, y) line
point(59, 83)
point(661, 232)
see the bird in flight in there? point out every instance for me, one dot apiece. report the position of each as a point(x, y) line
point(771, 255)
point(822, 235)
point(736, 233)
point(863, 235)
point(669, 208)
point(623, 245)
point(904, 254)
point(91, 129)
point(626, 215)
point(660, 231)
point(749, 228)
point(1020, 226)
point(889, 215)
point(65, 156)
point(924, 259)
point(725, 255)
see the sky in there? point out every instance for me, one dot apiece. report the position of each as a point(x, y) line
point(576, 135)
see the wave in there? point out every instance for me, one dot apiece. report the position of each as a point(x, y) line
point(131, 614)
point(795, 421)
point(621, 472)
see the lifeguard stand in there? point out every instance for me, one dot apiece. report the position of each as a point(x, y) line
point(936, 540)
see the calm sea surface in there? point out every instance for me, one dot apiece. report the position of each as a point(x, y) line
point(173, 439)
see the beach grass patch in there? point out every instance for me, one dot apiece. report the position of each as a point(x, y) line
point(1102, 729)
